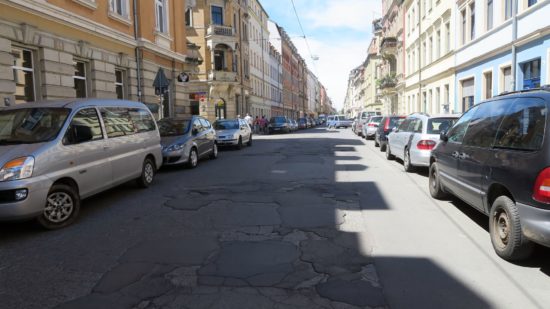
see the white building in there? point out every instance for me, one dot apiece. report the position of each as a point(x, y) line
point(313, 95)
point(429, 31)
point(275, 82)
point(258, 36)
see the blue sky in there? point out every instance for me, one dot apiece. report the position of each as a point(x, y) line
point(338, 32)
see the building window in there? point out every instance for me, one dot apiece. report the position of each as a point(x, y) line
point(219, 60)
point(506, 79)
point(472, 20)
point(447, 101)
point(161, 16)
point(430, 50)
point(489, 15)
point(531, 74)
point(189, 17)
point(508, 8)
point(119, 7)
point(80, 79)
point(531, 2)
point(217, 15)
point(424, 52)
point(487, 85)
point(437, 100)
point(23, 75)
point(468, 91)
point(119, 84)
point(437, 44)
point(447, 37)
point(463, 27)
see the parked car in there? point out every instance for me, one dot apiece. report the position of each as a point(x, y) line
point(384, 128)
point(496, 158)
point(330, 121)
point(362, 119)
point(302, 123)
point(186, 140)
point(279, 124)
point(293, 125)
point(54, 154)
point(371, 126)
point(415, 138)
point(341, 121)
point(233, 132)
point(310, 123)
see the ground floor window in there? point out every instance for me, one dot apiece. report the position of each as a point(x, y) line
point(79, 78)
point(531, 74)
point(468, 91)
point(195, 110)
point(220, 109)
point(23, 75)
point(119, 84)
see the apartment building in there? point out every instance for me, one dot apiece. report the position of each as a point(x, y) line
point(501, 46)
point(217, 30)
point(275, 81)
point(313, 95)
point(430, 69)
point(61, 49)
point(371, 101)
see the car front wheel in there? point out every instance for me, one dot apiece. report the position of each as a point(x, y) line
point(62, 207)
point(505, 229)
point(147, 174)
point(436, 189)
point(214, 152)
point(193, 160)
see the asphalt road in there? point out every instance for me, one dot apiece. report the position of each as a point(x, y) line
point(314, 219)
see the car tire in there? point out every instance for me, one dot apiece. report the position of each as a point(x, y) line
point(407, 165)
point(436, 188)
point(376, 143)
point(147, 173)
point(389, 156)
point(240, 143)
point(193, 160)
point(60, 193)
point(505, 230)
point(214, 152)
point(249, 143)
point(383, 146)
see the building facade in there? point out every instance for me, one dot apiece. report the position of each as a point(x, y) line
point(430, 68)
point(501, 46)
point(59, 49)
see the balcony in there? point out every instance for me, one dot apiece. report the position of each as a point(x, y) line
point(387, 82)
point(217, 34)
point(223, 76)
point(388, 46)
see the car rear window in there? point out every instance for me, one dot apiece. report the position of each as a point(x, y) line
point(438, 125)
point(396, 121)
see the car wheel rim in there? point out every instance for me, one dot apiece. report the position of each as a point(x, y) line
point(502, 226)
point(433, 180)
point(193, 158)
point(149, 173)
point(59, 207)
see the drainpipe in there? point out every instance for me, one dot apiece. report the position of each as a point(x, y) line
point(514, 39)
point(420, 55)
point(137, 52)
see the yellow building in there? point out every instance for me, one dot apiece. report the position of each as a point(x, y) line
point(55, 49)
point(217, 31)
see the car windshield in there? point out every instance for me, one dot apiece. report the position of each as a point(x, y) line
point(226, 125)
point(438, 125)
point(375, 119)
point(173, 127)
point(277, 120)
point(31, 125)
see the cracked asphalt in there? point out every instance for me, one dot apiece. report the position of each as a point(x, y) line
point(314, 219)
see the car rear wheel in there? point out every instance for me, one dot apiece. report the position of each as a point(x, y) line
point(214, 152)
point(62, 207)
point(249, 141)
point(193, 160)
point(407, 162)
point(505, 229)
point(147, 173)
point(436, 189)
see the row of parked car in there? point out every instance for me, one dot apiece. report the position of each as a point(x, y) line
point(54, 154)
point(283, 124)
point(495, 157)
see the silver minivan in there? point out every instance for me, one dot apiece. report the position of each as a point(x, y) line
point(53, 154)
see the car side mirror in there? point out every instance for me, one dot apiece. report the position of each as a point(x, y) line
point(395, 129)
point(443, 136)
point(195, 131)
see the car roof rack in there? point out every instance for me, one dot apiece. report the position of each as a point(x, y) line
point(541, 88)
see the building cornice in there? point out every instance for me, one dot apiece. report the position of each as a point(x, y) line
point(52, 12)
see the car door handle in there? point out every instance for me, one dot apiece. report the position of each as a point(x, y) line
point(455, 154)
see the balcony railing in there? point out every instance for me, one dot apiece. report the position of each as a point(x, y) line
point(388, 45)
point(220, 30)
point(223, 76)
point(388, 81)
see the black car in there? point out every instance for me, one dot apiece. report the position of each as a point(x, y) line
point(496, 158)
point(279, 124)
point(384, 128)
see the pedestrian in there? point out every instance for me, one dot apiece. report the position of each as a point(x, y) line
point(248, 119)
point(263, 125)
point(256, 125)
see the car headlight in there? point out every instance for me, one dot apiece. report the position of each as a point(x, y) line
point(175, 147)
point(15, 169)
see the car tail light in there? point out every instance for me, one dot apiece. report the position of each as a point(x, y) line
point(425, 145)
point(372, 124)
point(387, 124)
point(541, 192)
